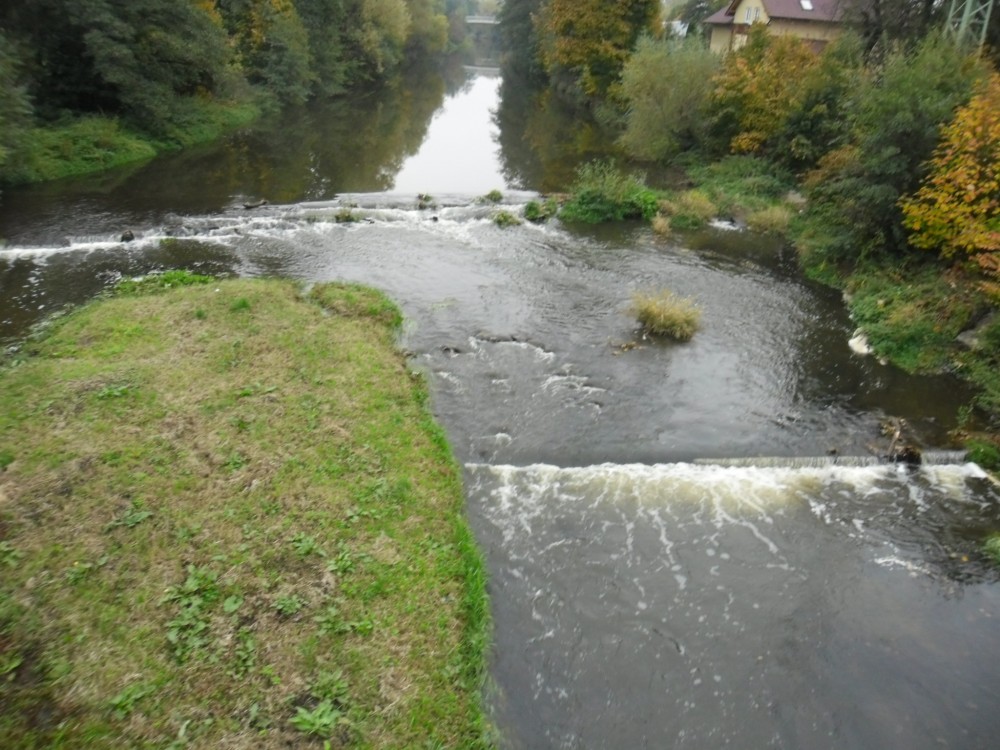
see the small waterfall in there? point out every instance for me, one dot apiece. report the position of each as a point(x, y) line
point(927, 458)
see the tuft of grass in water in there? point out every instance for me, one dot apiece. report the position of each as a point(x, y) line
point(505, 219)
point(256, 536)
point(494, 196)
point(346, 216)
point(665, 314)
point(603, 193)
point(538, 212)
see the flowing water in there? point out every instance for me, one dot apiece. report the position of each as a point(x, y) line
point(690, 545)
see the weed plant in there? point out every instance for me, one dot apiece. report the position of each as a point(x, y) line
point(239, 529)
point(665, 314)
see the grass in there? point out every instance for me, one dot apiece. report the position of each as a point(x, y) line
point(992, 547)
point(505, 219)
point(665, 314)
point(539, 212)
point(227, 519)
point(95, 143)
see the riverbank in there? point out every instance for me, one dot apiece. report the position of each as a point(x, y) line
point(94, 144)
point(919, 314)
point(227, 518)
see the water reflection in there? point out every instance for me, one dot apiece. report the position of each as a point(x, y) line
point(542, 139)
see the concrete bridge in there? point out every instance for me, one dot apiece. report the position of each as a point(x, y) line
point(481, 20)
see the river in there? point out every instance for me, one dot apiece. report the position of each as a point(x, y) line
point(689, 545)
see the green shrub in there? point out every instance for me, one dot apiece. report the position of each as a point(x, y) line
point(603, 193)
point(984, 453)
point(665, 314)
point(992, 547)
point(494, 196)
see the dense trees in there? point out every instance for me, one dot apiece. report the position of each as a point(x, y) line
point(581, 45)
point(160, 66)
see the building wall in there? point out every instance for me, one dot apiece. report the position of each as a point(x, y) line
point(725, 38)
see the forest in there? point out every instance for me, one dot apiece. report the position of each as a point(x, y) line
point(88, 84)
point(877, 158)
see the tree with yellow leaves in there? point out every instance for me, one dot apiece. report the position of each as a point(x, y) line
point(956, 211)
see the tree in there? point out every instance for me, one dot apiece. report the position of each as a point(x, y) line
point(818, 121)
point(136, 58)
point(753, 94)
point(589, 40)
point(428, 34)
point(895, 113)
point(15, 107)
point(956, 211)
point(519, 39)
point(665, 85)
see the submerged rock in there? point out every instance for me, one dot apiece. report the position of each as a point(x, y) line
point(127, 236)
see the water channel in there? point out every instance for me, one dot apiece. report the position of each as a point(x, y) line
point(682, 554)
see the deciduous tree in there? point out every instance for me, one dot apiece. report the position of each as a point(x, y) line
point(956, 211)
point(591, 39)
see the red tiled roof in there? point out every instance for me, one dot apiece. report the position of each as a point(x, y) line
point(822, 10)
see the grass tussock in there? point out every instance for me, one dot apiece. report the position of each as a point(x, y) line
point(228, 520)
point(665, 314)
point(771, 219)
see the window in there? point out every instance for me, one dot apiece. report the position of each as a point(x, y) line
point(753, 14)
point(806, 4)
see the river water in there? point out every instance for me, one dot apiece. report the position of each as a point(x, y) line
point(687, 544)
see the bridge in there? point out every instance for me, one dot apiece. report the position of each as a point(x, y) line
point(481, 20)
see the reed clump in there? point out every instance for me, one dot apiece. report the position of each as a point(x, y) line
point(663, 313)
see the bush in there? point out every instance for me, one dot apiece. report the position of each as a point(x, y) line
point(665, 314)
point(505, 219)
point(992, 547)
point(603, 193)
point(987, 455)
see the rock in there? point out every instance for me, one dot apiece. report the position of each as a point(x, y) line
point(128, 235)
point(255, 204)
point(970, 338)
point(859, 343)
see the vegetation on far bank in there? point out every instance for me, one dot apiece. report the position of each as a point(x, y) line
point(228, 519)
point(877, 159)
point(90, 84)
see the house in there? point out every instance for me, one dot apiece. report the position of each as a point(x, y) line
point(817, 22)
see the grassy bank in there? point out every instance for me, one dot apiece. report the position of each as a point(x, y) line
point(94, 144)
point(227, 519)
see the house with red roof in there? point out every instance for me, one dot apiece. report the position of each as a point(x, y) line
point(815, 21)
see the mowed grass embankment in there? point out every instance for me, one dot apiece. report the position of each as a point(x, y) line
point(228, 520)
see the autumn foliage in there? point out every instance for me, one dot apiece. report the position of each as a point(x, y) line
point(754, 92)
point(957, 209)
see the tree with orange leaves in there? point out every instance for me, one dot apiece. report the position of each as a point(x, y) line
point(956, 211)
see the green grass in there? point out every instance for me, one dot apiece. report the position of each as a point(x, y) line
point(234, 529)
point(911, 314)
point(505, 219)
point(992, 547)
point(665, 314)
point(93, 144)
